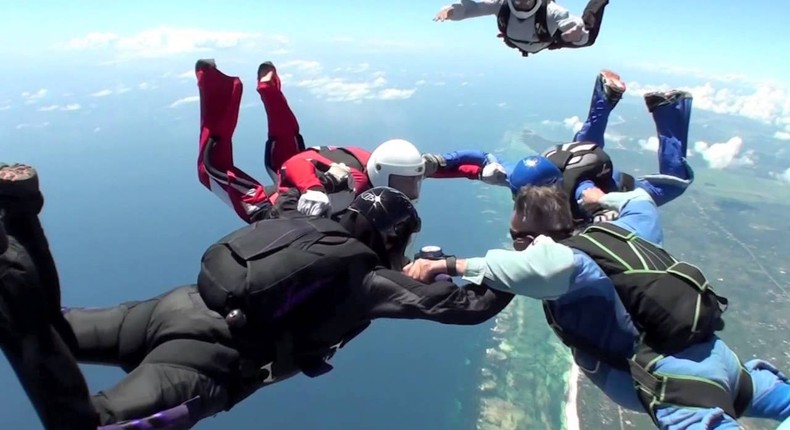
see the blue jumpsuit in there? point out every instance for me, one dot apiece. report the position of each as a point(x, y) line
point(672, 125)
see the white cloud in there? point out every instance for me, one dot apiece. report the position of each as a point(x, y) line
point(28, 125)
point(5, 107)
point(342, 89)
point(305, 66)
point(359, 68)
point(68, 107)
point(693, 72)
point(420, 82)
point(722, 155)
point(185, 100)
point(649, 144)
point(784, 176)
point(167, 41)
point(782, 135)
point(145, 86)
point(574, 123)
point(502, 105)
point(120, 89)
point(97, 129)
point(388, 44)
point(93, 40)
point(34, 97)
point(395, 94)
point(102, 93)
point(189, 74)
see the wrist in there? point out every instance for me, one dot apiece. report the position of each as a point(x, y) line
point(451, 266)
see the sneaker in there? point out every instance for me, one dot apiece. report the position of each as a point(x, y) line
point(660, 98)
point(266, 72)
point(613, 87)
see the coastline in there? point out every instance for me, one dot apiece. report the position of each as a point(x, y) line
point(571, 403)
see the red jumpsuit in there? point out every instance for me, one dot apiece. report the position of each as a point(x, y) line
point(286, 159)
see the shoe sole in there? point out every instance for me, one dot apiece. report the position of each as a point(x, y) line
point(17, 180)
point(613, 81)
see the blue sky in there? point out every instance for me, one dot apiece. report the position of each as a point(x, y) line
point(709, 34)
point(68, 61)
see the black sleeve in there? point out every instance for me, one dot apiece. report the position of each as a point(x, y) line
point(395, 295)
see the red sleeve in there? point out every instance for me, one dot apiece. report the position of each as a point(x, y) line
point(469, 171)
point(300, 173)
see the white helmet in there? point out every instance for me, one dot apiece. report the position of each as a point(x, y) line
point(523, 9)
point(398, 164)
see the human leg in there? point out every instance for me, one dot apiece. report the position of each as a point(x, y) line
point(284, 139)
point(174, 349)
point(172, 374)
point(713, 368)
point(607, 92)
point(220, 99)
point(671, 112)
point(31, 332)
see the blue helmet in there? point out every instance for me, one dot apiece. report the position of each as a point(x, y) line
point(534, 170)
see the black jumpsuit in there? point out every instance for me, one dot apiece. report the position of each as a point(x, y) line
point(175, 349)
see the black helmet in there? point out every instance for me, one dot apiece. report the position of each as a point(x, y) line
point(384, 219)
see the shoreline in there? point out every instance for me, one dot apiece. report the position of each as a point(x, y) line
point(571, 409)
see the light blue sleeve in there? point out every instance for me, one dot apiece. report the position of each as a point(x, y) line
point(542, 271)
point(638, 213)
point(473, 9)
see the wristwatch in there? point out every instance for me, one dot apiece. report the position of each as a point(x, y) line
point(451, 269)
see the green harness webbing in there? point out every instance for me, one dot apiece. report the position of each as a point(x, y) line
point(646, 276)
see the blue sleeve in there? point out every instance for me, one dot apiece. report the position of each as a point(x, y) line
point(638, 213)
point(467, 156)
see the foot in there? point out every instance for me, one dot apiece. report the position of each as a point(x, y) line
point(205, 63)
point(660, 98)
point(18, 180)
point(266, 72)
point(19, 189)
point(613, 88)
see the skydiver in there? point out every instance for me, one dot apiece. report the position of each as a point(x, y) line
point(640, 324)
point(533, 25)
point(583, 163)
point(312, 284)
point(328, 177)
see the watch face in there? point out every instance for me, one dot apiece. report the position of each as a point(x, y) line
point(430, 249)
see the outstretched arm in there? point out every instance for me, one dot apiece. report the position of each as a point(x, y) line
point(395, 295)
point(571, 27)
point(470, 164)
point(469, 9)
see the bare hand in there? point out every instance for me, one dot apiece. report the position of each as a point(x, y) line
point(591, 196)
point(444, 14)
point(425, 270)
point(574, 34)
